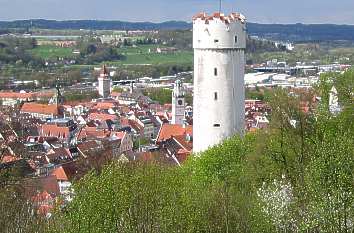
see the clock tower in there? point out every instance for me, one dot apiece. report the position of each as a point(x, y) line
point(178, 104)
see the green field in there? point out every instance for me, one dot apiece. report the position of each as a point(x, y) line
point(52, 52)
point(146, 55)
point(139, 55)
point(156, 59)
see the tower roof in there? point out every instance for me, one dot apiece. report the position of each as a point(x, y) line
point(217, 15)
point(104, 70)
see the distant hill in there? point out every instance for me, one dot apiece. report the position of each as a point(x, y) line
point(291, 32)
point(94, 25)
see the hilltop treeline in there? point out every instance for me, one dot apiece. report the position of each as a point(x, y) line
point(292, 32)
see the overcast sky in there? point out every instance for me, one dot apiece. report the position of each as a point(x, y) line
point(262, 11)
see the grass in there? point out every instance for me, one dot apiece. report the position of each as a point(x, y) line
point(146, 54)
point(157, 59)
point(52, 52)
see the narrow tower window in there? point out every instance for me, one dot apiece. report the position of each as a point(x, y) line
point(215, 71)
point(236, 39)
point(215, 96)
point(216, 41)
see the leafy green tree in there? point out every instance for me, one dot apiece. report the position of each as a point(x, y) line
point(163, 96)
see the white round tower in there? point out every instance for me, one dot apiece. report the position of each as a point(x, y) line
point(219, 44)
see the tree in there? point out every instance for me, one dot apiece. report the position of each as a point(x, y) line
point(295, 176)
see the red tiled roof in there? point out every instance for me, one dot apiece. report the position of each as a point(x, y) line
point(60, 174)
point(92, 132)
point(47, 183)
point(105, 105)
point(57, 153)
point(49, 130)
point(102, 117)
point(115, 94)
point(119, 135)
point(134, 125)
point(40, 108)
point(187, 145)
point(124, 121)
point(16, 95)
point(41, 197)
point(167, 131)
point(9, 159)
point(87, 146)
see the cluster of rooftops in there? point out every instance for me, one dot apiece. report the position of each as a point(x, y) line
point(217, 15)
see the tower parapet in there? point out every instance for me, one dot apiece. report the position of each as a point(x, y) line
point(219, 31)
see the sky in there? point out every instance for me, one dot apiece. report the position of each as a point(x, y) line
point(260, 11)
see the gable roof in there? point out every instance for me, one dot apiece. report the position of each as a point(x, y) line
point(169, 130)
point(55, 131)
point(102, 117)
point(88, 146)
point(92, 133)
point(60, 174)
point(45, 109)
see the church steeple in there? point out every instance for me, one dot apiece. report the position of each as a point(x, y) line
point(58, 98)
point(104, 83)
point(178, 104)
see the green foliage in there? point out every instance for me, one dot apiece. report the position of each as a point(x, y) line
point(140, 142)
point(258, 94)
point(118, 89)
point(14, 50)
point(163, 96)
point(49, 52)
point(189, 98)
point(85, 96)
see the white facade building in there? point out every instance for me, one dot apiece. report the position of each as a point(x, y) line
point(104, 83)
point(178, 104)
point(219, 43)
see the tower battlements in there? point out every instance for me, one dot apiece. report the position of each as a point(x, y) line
point(233, 17)
point(219, 31)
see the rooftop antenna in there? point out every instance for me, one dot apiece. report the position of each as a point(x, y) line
point(220, 6)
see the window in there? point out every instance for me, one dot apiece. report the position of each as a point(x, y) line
point(180, 102)
point(236, 39)
point(216, 41)
point(215, 96)
point(216, 125)
point(215, 71)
